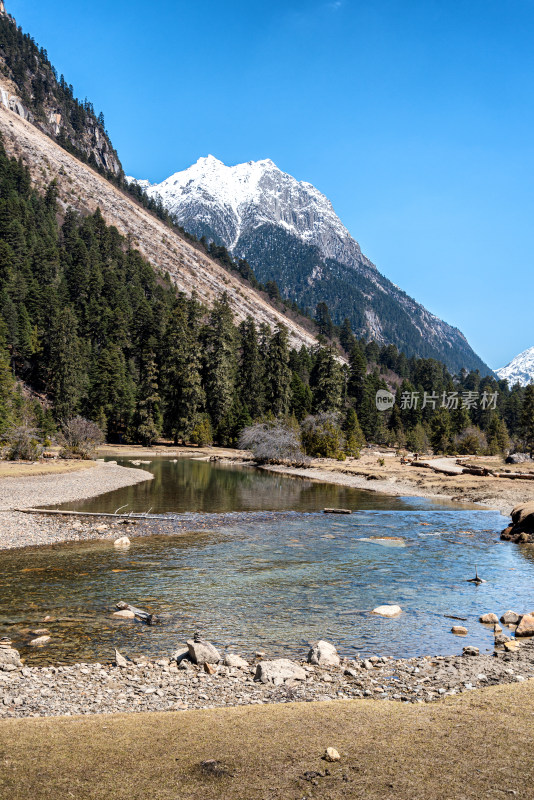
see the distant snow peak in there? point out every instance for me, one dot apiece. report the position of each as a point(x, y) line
point(520, 369)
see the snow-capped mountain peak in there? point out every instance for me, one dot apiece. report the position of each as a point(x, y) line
point(520, 369)
point(250, 195)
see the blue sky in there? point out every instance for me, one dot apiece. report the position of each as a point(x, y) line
point(415, 117)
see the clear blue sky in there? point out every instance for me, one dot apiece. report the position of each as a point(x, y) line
point(415, 117)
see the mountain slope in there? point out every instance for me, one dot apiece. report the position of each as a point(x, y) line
point(86, 190)
point(29, 86)
point(289, 232)
point(520, 369)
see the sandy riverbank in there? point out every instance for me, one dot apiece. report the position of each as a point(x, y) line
point(404, 480)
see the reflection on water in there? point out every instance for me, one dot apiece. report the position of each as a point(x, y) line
point(189, 485)
point(274, 584)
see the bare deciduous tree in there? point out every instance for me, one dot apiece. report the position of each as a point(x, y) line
point(272, 443)
point(79, 437)
point(22, 443)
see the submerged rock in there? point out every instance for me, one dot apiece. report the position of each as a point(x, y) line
point(459, 630)
point(488, 619)
point(324, 654)
point(122, 542)
point(387, 611)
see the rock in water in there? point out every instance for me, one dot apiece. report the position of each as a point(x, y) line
point(125, 613)
point(489, 619)
point(202, 652)
point(331, 754)
point(470, 651)
point(279, 671)
point(459, 630)
point(122, 542)
point(387, 611)
point(324, 654)
point(510, 618)
point(40, 640)
point(233, 660)
point(526, 626)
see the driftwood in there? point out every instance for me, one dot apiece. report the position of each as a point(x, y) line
point(451, 616)
point(476, 580)
point(337, 511)
point(143, 615)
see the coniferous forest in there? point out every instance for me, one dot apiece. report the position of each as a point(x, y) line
point(89, 328)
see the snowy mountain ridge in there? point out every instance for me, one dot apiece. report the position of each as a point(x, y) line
point(520, 369)
point(289, 233)
point(246, 196)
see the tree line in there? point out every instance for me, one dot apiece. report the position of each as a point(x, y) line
point(89, 328)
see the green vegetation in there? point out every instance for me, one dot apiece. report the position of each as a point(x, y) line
point(88, 328)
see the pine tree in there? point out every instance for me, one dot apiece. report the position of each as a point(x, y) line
point(65, 368)
point(440, 431)
point(219, 361)
point(147, 421)
point(301, 398)
point(324, 322)
point(354, 437)
point(527, 418)
point(250, 369)
point(357, 373)
point(326, 381)
point(278, 373)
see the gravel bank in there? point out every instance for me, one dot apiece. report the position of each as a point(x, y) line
point(163, 685)
point(24, 530)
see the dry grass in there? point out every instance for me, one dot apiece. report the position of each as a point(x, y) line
point(477, 746)
point(22, 469)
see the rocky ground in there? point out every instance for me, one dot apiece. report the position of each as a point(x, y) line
point(384, 472)
point(176, 683)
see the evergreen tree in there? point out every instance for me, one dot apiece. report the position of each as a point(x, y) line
point(325, 326)
point(65, 368)
point(326, 381)
point(440, 431)
point(527, 417)
point(278, 373)
point(250, 369)
point(219, 361)
point(357, 373)
point(147, 422)
point(354, 438)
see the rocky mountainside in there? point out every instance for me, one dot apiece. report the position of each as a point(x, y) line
point(289, 232)
point(85, 189)
point(30, 87)
point(520, 369)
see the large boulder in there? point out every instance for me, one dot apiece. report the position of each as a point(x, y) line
point(279, 671)
point(489, 619)
point(233, 660)
point(510, 618)
point(203, 652)
point(323, 654)
point(522, 528)
point(526, 626)
point(9, 658)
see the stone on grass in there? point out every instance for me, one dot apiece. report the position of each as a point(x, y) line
point(331, 754)
point(279, 671)
point(489, 619)
point(40, 640)
point(526, 626)
point(233, 660)
point(323, 654)
point(387, 611)
point(122, 542)
point(459, 630)
point(125, 613)
point(202, 652)
point(510, 618)
point(470, 651)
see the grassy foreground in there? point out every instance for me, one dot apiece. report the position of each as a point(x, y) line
point(477, 746)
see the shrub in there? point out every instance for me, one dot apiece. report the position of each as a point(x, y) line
point(272, 442)
point(202, 433)
point(322, 436)
point(79, 438)
point(23, 443)
point(471, 442)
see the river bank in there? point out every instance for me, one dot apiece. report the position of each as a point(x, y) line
point(384, 472)
point(44, 487)
point(165, 685)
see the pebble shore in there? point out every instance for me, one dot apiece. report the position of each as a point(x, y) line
point(165, 685)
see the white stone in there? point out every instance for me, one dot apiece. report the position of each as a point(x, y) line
point(387, 611)
point(233, 660)
point(125, 613)
point(203, 652)
point(324, 654)
point(279, 671)
point(122, 542)
point(332, 754)
point(40, 640)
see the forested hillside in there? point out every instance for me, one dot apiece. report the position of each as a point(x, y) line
point(91, 328)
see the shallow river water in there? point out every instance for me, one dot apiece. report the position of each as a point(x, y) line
point(268, 581)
